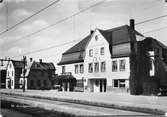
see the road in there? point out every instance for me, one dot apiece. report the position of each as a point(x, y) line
point(76, 109)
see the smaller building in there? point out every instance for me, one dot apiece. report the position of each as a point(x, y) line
point(38, 75)
point(3, 67)
point(14, 70)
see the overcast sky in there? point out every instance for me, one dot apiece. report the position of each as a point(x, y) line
point(109, 14)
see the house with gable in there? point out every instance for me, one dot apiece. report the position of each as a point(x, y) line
point(105, 55)
point(107, 62)
point(13, 74)
point(38, 75)
point(3, 69)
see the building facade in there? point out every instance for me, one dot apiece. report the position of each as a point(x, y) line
point(13, 74)
point(3, 69)
point(105, 57)
point(38, 75)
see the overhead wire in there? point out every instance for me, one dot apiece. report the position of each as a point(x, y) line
point(58, 22)
point(24, 20)
point(47, 48)
point(152, 19)
point(155, 30)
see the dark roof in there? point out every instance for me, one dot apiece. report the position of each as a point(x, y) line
point(114, 36)
point(18, 64)
point(149, 41)
point(118, 35)
point(65, 78)
point(42, 66)
point(79, 47)
point(72, 58)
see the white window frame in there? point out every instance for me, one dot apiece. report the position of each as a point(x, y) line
point(103, 66)
point(114, 69)
point(102, 51)
point(122, 64)
point(81, 66)
point(96, 66)
point(90, 52)
point(90, 67)
point(76, 68)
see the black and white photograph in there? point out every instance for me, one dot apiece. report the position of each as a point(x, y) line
point(83, 58)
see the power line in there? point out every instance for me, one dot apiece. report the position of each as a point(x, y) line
point(152, 19)
point(48, 48)
point(155, 30)
point(60, 21)
point(24, 20)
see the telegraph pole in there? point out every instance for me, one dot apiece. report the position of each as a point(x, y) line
point(24, 71)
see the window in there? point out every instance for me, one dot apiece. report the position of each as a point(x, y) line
point(103, 66)
point(90, 69)
point(38, 83)
point(120, 83)
point(76, 69)
point(45, 82)
point(63, 69)
point(12, 73)
point(90, 52)
point(96, 67)
point(96, 51)
point(1, 62)
point(114, 65)
point(102, 51)
point(12, 83)
point(122, 65)
point(116, 83)
point(8, 73)
point(32, 82)
point(81, 68)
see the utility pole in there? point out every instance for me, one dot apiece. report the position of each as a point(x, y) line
point(24, 71)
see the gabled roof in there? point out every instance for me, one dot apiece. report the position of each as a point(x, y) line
point(43, 66)
point(114, 36)
point(149, 41)
point(18, 64)
point(119, 35)
point(79, 47)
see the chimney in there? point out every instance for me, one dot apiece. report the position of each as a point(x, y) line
point(40, 60)
point(132, 24)
point(91, 31)
point(30, 59)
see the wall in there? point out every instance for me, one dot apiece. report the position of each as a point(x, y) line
point(108, 74)
point(71, 68)
point(40, 75)
point(10, 76)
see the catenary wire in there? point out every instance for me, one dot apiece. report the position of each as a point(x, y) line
point(24, 20)
point(58, 22)
point(48, 48)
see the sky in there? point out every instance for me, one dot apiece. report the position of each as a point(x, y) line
point(106, 15)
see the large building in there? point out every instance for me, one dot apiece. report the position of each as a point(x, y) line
point(102, 59)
